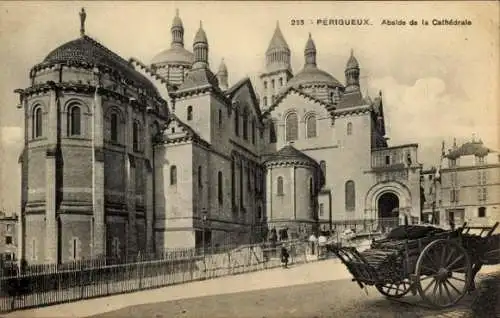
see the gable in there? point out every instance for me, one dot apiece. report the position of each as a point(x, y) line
point(243, 95)
point(177, 131)
point(302, 104)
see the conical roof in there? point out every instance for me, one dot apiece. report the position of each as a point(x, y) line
point(289, 152)
point(200, 36)
point(352, 62)
point(310, 46)
point(222, 68)
point(277, 41)
point(177, 22)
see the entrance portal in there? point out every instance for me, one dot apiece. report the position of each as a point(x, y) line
point(388, 205)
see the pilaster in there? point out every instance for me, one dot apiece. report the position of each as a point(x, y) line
point(51, 229)
point(99, 224)
point(269, 193)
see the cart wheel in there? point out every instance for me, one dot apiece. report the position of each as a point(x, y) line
point(443, 273)
point(394, 290)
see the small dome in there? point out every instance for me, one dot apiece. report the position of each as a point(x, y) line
point(87, 50)
point(289, 152)
point(177, 22)
point(310, 75)
point(200, 36)
point(352, 62)
point(174, 55)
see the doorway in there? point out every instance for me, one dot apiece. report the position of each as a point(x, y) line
point(388, 205)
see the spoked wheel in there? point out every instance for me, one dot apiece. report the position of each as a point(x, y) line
point(443, 273)
point(394, 290)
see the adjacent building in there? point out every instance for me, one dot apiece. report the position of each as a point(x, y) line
point(8, 237)
point(123, 158)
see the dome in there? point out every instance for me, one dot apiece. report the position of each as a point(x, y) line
point(174, 55)
point(290, 153)
point(87, 50)
point(475, 148)
point(311, 75)
point(352, 62)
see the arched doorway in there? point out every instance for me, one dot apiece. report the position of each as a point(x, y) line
point(388, 205)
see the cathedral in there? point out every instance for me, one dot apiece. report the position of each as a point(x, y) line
point(122, 157)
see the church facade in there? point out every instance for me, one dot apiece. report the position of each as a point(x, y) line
point(123, 158)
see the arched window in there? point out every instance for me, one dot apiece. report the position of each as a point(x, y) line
point(272, 133)
point(281, 81)
point(219, 187)
point(135, 136)
point(292, 127)
point(253, 131)
point(311, 126)
point(200, 177)
point(220, 118)
point(265, 84)
point(114, 127)
point(173, 175)
point(481, 212)
point(279, 187)
point(236, 122)
point(265, 101)
point(74, 121)
point(190, 113)
point(272, 84)
point(245, 124)
point(37, 122)
point(350, 196)
point(349, 129)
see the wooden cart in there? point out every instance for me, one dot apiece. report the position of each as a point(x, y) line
point(440, 267)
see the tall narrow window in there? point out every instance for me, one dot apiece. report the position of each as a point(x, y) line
point(233, 182)
point(349, 129)
point(350, 196)
point(245, 124)
point(272, 133)
point(291, 127)
point(33, 250)
point(311, 126)
point(190, 113)
point(173, 175)
point(281, 81)
point(135, 136)
point(219, 186)
point(74, 121)
point(321, 209)
point(75, 248)
point(37, 122)
point(241, 185)
point(322, 166)
point(265, 101)
point(279, 187)
point(114, 127)
point(311, 188)
point(272, 84)
point(200, 177)
point(220, 118)
point(253, 131)
point(236, 122)
point(265, 84)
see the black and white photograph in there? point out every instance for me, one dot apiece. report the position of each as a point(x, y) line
point(253, 159)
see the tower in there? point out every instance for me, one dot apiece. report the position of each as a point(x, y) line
point(222, 76)
point(278, 68)
point(352, 74)
point(310, 52)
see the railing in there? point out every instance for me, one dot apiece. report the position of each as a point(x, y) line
point(42, 285)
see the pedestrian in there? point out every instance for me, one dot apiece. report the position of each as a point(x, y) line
point(284, 257)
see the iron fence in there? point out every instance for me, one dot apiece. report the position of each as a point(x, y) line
point(40, 285)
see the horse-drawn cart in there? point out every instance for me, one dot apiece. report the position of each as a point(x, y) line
point(438, 264)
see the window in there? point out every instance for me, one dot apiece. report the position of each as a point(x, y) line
point(173, 175)
point(480, 160)
point(8, 239)
point(241, 184)
point(322, 165)
point(245, 124)
point(114, 127)
point(200, 177)
point(236, 122)
point(349, 129)
point(265, 101)
point(190, 113)
point(452, 163)
point(37, 122)
point(265, 84)
point(481, 212)
point(115, 247)
point(454, 195)
point(33, 250)
point(272, 133)
point(259, 213)
point(281, 81)
point(9, 227)
point(350, 196)
point(321, 209)
point(311, 126)
point(219, 187)
point(233, 182)
point(74, 249)
point(172, 130)
point(279, 188)
point(291, 127)
point(74, 121)
point(273, 98)
point(272, 84)
point(311, 188)
point(220, 118)
point(387, 160)
point(332, 97)
point(482, 194)
point(135, 136)
point(253, 131)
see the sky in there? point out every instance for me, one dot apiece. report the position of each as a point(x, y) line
point(438, 82)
